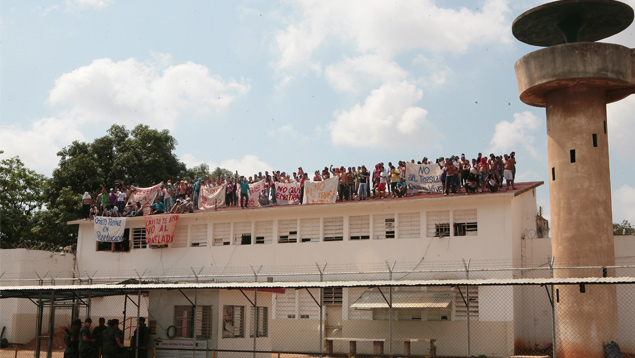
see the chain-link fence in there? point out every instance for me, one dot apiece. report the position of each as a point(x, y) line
point(472, 317)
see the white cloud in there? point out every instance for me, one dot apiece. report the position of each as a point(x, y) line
point(38, 145)
point(624, 204)
point(354, 74)
point(387, 118)
point(132, 92)
point(388, 28)
point(78, 4)
point(248, 165)
point(509, 136)
point(621, 126)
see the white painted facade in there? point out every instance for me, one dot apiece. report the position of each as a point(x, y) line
point(414, 234)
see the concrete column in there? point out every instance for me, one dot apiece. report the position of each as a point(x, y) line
point(581, 218)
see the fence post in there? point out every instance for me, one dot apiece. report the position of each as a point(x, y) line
point(553, 312)
point(390, 269)
point(49, 352)
point(467, 305)
point(321, 270)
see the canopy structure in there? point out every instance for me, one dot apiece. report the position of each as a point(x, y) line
point(404, 299)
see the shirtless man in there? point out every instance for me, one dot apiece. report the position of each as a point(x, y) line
point(508, 164)
point(483, 170)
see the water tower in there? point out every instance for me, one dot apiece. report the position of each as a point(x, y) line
point(574, 78)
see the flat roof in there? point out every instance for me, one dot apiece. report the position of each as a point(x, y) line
point(521, 188)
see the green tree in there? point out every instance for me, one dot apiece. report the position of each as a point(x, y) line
point(21, 198)
point(196, 172)
point(625, 228)
point(222, 172)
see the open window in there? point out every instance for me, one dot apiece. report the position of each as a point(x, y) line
point(465, 223)
point(438, 223)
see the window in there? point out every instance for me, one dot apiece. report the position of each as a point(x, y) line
point(264, 232)
point(334, 229)
point(263, 321)
point(465, 223)
point(242, 233)
point(409, 226)
point(139, 238)
point(180, 236)
point(287, 231)
point(310, 230)
point(460, 308)
point(438, 223)
point(233, 321)
point(384, 226)
point(222, 234)
point(284, 304)
point(332, 295)
point(192, 323)
point(359, 227)
point(123, 246)
point(198, 235)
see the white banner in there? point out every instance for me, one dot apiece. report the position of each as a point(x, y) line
point(109, 229)
point(211, 196)
point(287, 194)
point(254, 192)
point(426, 177)
point(145, 196)
point(319, 192)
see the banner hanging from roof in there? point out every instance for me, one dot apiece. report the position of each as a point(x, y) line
point(320, 192)
point(160, 229)
point(211, 197)
point(426, 177)
point(287, 194)
point(145, 196)
point(109, 229)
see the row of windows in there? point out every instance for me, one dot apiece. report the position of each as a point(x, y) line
point(360, 227)
point(196, 322)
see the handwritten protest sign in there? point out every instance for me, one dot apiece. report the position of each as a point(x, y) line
point(145, 196)
point(109, 229)
point(160, 228)
point(425, 177)
point(287, 194)
point(211, 196)
point(320, 191)
point(254, 191)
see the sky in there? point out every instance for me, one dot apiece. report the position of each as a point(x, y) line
point(263, 85)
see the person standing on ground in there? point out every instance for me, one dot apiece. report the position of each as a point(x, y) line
point(142, 334)
point(71, 339)
point(98, 335)
point(86, 340)
point(113, 340)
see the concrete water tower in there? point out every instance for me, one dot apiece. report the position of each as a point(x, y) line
point(574, 78)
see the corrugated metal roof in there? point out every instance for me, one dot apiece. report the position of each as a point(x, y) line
point(10, 291)
point(404, 299)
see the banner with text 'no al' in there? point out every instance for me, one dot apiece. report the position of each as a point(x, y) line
point(320, 192)
point(426, 177)
point(160, 229)
point(109, 229)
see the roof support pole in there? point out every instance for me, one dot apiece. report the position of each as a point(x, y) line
point(38, 335)
point(49, 352)
point(390, 270)
point(467, 305)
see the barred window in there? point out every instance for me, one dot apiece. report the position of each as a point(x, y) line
point(222, 234)
point(287, 231)
point(384, 226)
point(233, 321)
point(263, 321)
point(310, 230)
point(264, 232)
point(359, 227)
point(438, 223)
point(198, 235)
point(465, 223)
point(139, 238)
point(409, 225)
point(334, 229)
point(192, 323)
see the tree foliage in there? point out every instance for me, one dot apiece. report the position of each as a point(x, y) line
point(21, 197)
point(625, 228)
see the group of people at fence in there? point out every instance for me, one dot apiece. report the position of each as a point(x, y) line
point(481, 174)
point(105, 341)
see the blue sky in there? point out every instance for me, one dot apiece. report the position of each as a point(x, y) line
point(262, 85)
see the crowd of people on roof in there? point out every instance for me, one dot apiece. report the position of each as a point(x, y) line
point(481, 174)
